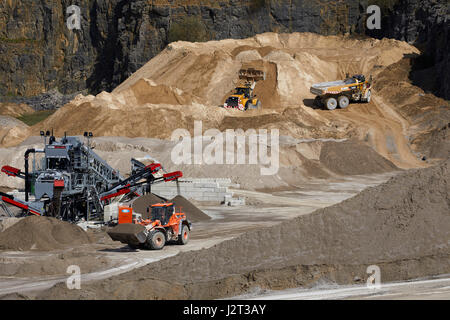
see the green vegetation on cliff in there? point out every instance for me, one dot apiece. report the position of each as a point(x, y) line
point(188, 29)
point(35, 117)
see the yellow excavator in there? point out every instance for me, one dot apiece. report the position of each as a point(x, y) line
point(243, 97)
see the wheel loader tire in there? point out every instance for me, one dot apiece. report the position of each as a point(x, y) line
point(331, 103)
point(156, 240)
point(247, 105)
point(183, 238)
point(343, 101)
point(369, 95)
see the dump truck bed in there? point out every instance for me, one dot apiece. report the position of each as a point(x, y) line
point(323, 87)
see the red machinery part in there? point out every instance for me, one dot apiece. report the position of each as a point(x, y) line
point(172, 176)
point(11, 171)
point(116, 194)
point(154, 167)
point(19, 205)
point(58, 183)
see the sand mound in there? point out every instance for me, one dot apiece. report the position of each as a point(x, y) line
point(12, 131)
point(14, 109)
point(189, 81)
point(248, 55)
point(6, 223)
point(146, 91)
point(41, 233)
point(209, 72)
point(193, 213)
point(353, 157)
point(402, 225)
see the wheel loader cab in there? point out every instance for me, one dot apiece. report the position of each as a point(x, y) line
point(243, 91)
point(162, 212)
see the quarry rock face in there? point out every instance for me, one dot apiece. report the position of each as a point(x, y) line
point(38, 53)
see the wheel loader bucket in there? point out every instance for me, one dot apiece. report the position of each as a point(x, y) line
point(251, 74)
point(128, 233)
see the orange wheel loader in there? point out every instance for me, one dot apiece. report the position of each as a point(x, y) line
point(164, 225)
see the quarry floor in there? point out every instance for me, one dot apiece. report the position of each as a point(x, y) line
point(437, 288)
point(107, 258)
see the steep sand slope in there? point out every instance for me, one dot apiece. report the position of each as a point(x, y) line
point(403, 226)
point(14, 110)
point(12, 131)
point(424, 117)
point(189, 81)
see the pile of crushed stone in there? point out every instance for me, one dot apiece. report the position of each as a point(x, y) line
point(403, 226)
point(42, 233)
point(193, 213)
point(353, 157)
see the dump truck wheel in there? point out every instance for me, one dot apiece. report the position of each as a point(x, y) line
point(331, 103)
point(344, 101)
point(156, 240)
point(183, 238)
point(247, 105)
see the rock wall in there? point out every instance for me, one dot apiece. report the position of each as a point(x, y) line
point(39, 53)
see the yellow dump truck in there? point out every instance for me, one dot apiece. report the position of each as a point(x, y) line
point(341, 92)
point(243, 97)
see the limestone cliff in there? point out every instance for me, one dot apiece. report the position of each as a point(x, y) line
point(38, 53)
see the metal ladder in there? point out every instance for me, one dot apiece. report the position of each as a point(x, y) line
point(6, 209)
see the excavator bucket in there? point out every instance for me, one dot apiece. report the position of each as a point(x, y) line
point(251, 74)
point(128, 233)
